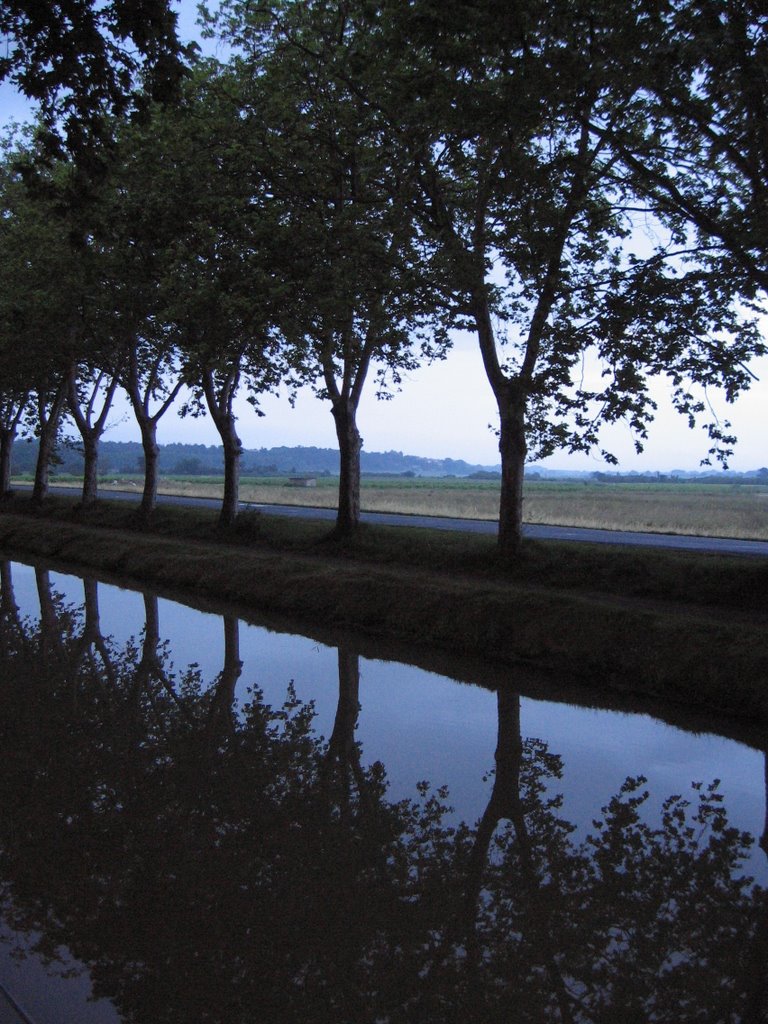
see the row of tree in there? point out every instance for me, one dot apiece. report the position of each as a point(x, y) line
point(581, 184)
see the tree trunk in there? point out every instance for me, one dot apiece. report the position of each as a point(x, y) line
point(513, 450)
point(151, 453)
point(233, 449)
point(46, 448)
point(49, 426)
point(90, 429)
point(350, 444)
point(90, 469)
point(7, 437)
point(511, 402)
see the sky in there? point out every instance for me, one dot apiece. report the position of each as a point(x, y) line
point(446, 409)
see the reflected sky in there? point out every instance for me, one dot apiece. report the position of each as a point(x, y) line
point(420, 726)
point(425, 726)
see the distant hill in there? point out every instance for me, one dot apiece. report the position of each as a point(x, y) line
point(118, 457)
point(204, 460)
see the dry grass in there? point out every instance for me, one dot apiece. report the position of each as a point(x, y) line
point(716, 510)
point(707, 510)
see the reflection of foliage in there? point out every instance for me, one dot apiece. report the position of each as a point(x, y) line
point(206, 868)
point(649, 920)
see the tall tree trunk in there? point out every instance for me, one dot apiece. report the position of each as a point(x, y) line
point(49, 427)
point(513, 450)
point(233, 449)
point(147, 421)
point(7, 437)
point(90, 469)
point(350, 444)
point(151, 450)
point(219, 398)
point(11, 412)
point(511, 402)
point(43, 466)
point(91, 429)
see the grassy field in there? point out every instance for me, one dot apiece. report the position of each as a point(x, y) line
point(707, 510)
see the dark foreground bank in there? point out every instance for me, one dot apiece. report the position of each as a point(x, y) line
point(677, 626)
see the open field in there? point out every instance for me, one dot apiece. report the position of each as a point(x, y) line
point(698, 509)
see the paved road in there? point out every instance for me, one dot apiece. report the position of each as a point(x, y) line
point(567, 533)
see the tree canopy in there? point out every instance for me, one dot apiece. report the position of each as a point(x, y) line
point(580, 185)
point(81, 61)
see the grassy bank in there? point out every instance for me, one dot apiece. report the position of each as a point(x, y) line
point(684, 627)
point(700, 509)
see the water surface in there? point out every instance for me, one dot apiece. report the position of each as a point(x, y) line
point(205, 819)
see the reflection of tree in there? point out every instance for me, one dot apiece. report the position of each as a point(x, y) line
point(11, 631)
point(221, 714)
point(754, 978)
point(50, 606)
point(8, 607)
point(635, 922)
point(507, 802)
point(344, 774)
point(92, 647)
point(207, 867)
point(200, 881)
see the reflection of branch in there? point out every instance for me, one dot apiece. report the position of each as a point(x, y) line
point(343, 752)
point(50, 632)
point(92, 641)
point(755, 979)
point(221, 716)
point(506, 802)
point(10, 622)
point(151, 669)
point(764, 836)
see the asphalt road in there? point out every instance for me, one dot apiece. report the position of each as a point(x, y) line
point(567, 533)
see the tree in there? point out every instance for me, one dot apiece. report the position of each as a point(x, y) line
point(138, 225)
point(533, 227)
point(80, 61)
point(15, 386)
point(224, 289)
point(699, 153)
point(90, 401)
point(358, 297)
point(44, 289)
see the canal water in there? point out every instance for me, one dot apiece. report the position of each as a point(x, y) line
point(205, 819)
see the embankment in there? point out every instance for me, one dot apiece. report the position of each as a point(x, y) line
point(707, 657)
